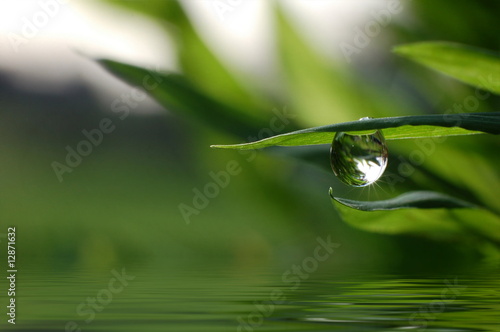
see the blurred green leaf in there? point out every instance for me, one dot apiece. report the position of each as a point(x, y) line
point(477, 174)
point(470, 65)
point(176, 93)
point(394, 128)
point(206, 70)
point(424, 213)
point(315, 89)
point(153, 8)
point(322, 90)
point(198, 62)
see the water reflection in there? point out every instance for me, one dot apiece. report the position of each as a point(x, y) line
point(218, 300)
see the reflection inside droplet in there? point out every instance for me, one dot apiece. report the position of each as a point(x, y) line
point(358, 160)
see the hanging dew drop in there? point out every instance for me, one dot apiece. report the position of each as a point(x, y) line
point(358, 160)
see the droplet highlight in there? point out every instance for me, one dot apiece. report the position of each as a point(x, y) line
point(359, 160)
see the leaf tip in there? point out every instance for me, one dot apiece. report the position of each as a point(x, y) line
point(395, 49)
point(222, 146)
point(400, 49)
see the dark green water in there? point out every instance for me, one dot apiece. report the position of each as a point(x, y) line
point(215, 298)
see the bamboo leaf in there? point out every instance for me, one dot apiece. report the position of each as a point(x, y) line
point(414, 199)
point(402, 127)
point(322, 90)
point(196, 58)
point(474, 66)
point(424, 213)
point(176, 93)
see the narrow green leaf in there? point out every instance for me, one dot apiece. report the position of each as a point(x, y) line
point(198, 62)
point(204, 68)
point(178, 94)
point(414, 199)
point(317, 90)
point(322, 89)
point(417, 126)
point(423, 213)
point(474, 66)
point(435, 223)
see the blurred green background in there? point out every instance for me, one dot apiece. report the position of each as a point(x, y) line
point(121, 204)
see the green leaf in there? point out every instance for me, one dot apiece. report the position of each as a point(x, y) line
point(417, 126)
point(317, 90)
point(202, 66)
point(414, 199)
point(474, 66)
point(198, 62)
point(178, 94)
point(322, 89)
point(423, 213)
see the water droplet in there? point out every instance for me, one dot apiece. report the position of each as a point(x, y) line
point(358, 160)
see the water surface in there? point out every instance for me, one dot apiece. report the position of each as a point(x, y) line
point(216, 298)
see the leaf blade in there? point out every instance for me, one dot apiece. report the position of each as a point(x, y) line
point(395, 128)
point(414, 199)
point(196, 57)
point(467, 64)
point(177, 93)
point(422, 213)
